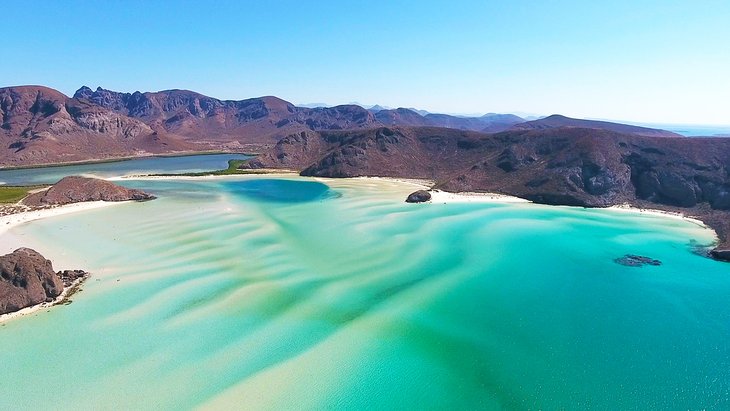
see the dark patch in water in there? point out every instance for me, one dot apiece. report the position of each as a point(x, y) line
point(631, 260)
point(282, 191)
point(703, 250)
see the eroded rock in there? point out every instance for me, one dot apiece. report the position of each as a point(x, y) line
point(26, 279)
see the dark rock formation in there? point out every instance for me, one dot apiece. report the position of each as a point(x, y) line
point(26, 279)
point(558, 166)
point(68, 277)
point(632, 260)
point(721, 253)
point(419, 196)
point(75, 189)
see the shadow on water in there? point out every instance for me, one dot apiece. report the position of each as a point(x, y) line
point(281, 191)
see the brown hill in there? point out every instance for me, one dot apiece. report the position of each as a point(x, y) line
point(558, 121)
point(562, 166)
point(76, 189)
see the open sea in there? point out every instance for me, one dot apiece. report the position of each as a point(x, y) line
point(280, 292)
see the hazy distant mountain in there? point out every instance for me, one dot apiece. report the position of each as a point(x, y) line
point(487, 123)
point(376, 108)
point(557, 121)
point(313, 105)
point(421, 112)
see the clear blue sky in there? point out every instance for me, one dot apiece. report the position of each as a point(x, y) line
point(653, 61)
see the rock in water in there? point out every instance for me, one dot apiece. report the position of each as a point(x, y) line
point(75, 189)
point(721, 254)
point(631, 260)
point(26, 279)
point(419, 196)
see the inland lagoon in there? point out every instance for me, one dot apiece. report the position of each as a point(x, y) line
point(283, 292)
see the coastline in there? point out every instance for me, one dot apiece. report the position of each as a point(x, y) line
point(124, 158)
point(438, 196)
point(183, 177)
point(10, 221)
point(62, 298)
point(650, 211)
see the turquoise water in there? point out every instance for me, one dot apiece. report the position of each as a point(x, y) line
point(288, 293)
point(148, 165)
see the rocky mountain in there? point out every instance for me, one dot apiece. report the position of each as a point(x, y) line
point(41, 125)
point(558, 121)
point(202, 119)
point(76, 189)
point(562, 166)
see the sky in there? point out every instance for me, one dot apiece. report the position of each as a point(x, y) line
point(635, 60)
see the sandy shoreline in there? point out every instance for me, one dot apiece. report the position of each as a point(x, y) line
point(438, 196)
point(10, 242)
point(63, 297)
point(12, 220)
point(203, 177)
point(649, 211)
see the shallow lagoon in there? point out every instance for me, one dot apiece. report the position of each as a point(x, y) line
point(144, 165)
point(225, 293)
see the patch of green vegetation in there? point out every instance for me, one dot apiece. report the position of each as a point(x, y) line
point(13, 194)
point(232, 169)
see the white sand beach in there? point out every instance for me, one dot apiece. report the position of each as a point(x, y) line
point(648, 211)
point(7, 244)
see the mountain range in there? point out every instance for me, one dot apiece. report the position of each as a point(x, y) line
point(40, 125)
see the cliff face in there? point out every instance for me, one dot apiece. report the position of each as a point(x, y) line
point(41, 125)
point(193, 116)
point(75, 189)
point(560, 166)
point(26, 279)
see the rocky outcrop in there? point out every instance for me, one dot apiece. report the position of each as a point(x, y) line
point(558, 166)
point(75, 189)
point(420, 196)
point(26, 279)
point(631, 260)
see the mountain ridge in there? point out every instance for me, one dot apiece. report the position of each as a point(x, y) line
point(40, 125)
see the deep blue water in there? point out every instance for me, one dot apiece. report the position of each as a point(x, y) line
point(280, 191)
